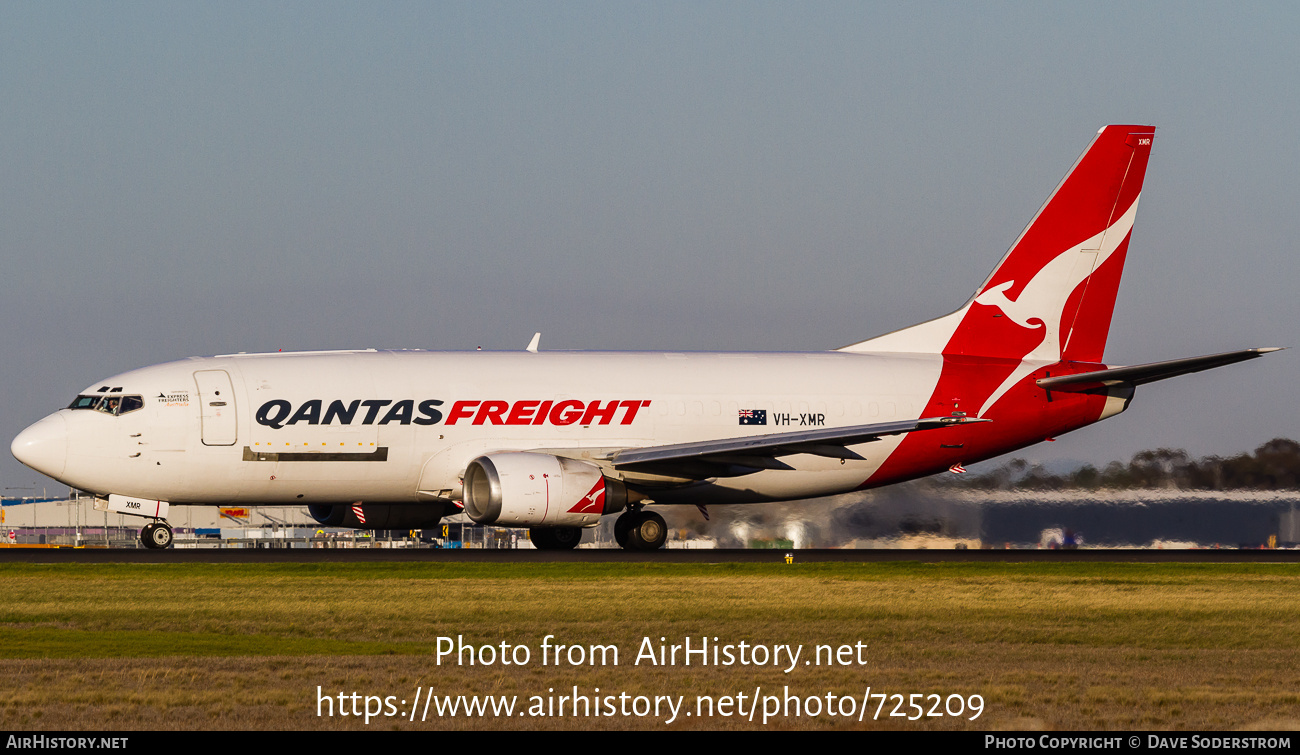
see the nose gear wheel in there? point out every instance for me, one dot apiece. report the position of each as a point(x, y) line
point(156, 535)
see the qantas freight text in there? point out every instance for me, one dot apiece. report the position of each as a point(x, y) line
point(278, 412)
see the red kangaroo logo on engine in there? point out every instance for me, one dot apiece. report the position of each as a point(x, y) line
point(593, 502)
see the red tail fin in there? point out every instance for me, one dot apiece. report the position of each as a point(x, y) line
point(1052, 295)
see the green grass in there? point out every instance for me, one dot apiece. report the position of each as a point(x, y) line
point(1061, 645)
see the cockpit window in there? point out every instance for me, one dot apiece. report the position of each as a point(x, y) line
point(112, 404)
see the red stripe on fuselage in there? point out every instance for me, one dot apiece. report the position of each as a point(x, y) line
point(1021, 417)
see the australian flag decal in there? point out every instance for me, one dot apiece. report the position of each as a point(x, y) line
point(753, 416)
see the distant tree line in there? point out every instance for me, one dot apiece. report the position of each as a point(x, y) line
point(1273, 466)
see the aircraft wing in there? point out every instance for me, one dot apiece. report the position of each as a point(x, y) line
point(732, 457)
point(1146, 373)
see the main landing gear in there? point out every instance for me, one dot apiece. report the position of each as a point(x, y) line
point(156, 535)
point(555, 538)
point(636, 530)
point(640, 530)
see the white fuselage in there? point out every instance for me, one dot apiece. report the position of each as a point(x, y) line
point(268, 436)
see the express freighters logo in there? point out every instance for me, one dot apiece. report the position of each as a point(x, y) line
point(278, 413)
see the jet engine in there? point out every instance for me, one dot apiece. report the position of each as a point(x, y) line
point(379, 516)
point(531, 489)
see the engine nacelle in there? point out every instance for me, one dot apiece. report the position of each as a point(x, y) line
point(379, 516)
point(530, 489)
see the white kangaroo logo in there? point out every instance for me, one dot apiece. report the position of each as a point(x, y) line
point(995, 297)
point(589, 500)
point(1041, 304)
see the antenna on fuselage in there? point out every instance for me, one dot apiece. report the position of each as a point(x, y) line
point(532, 345)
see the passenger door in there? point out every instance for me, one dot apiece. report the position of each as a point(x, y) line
point(217, 402)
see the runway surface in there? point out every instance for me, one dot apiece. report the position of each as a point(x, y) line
point(611, 556)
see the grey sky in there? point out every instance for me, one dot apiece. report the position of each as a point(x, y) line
point(180, 179)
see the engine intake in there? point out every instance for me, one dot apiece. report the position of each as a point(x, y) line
point(531, 489)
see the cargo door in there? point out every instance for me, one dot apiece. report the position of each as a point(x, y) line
point(217, 400)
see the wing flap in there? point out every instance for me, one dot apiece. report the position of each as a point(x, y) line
point(762, 451)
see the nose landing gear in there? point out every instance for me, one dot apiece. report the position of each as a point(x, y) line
point(640, 530)
point(156, 535)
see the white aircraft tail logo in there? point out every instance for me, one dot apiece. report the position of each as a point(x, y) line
point(1041, 304)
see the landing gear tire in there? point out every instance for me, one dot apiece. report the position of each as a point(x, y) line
point(156, 535)
point(555, 538)
point(645, 531)
point(621, 527)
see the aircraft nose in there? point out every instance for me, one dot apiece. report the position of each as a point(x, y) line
point(43, 446)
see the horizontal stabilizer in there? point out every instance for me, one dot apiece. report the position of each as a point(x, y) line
point(827, 441)
point(1147, 373)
